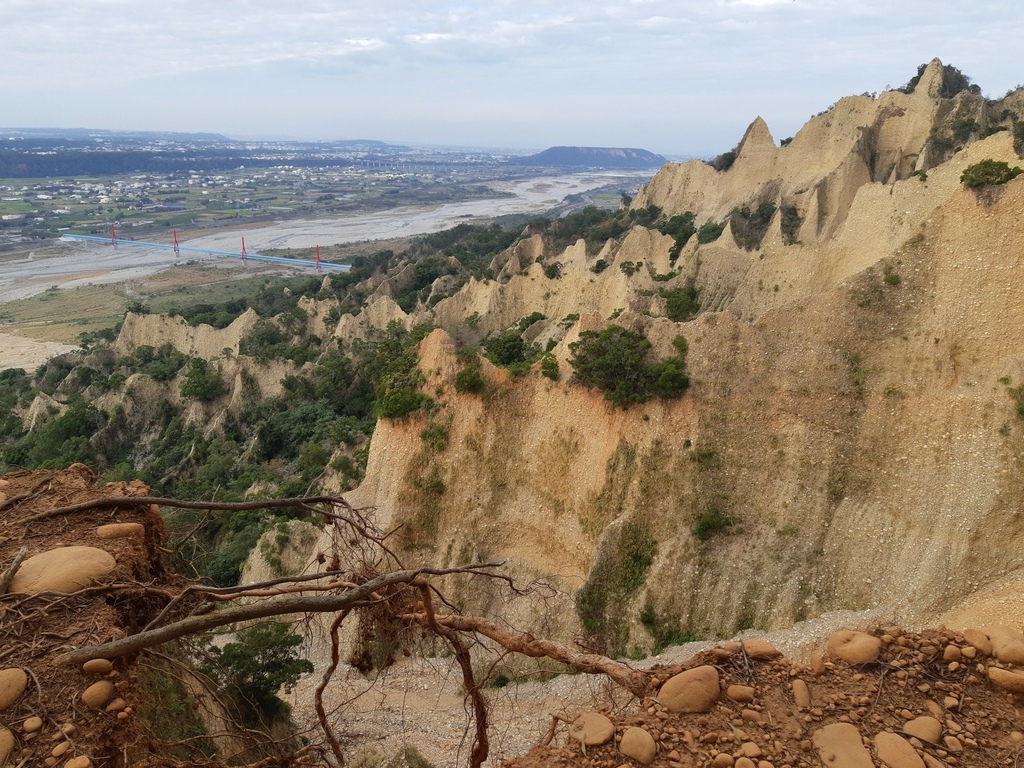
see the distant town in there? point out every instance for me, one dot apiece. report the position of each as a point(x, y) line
point(82, 182)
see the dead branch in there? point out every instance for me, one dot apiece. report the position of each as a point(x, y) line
point(352, 598)
point(233, 592)
point(290, 591)
point(635, 682)
point(111, 502)
point(556, 718)
point(481, 744)
point(31, 493)
point(318, 697)
point(8, 576)
point(188, 536)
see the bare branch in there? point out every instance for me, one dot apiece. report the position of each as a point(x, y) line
point(351, 598)
point(318, 697)
point(632, 680)
point(8, 576)
point(481, 744)
point(110, 502)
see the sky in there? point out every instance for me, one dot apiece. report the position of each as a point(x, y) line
point(677, 77)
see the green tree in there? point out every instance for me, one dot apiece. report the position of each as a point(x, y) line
point(505, 348)
point(989, 172)
point(263, 660)
point(680, 303)
point(615, 361)
point(203, 382)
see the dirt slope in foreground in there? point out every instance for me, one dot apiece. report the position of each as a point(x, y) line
point(929, 689)
point(39, 700)
point(932, 692)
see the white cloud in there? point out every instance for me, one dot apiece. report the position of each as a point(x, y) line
point(703, 67)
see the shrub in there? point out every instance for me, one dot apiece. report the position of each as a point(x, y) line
point(989, 172)
point(791, 222)
point(681, 227)
point(963, 129)
point(1017, 395)
point(615, 361)
point(436, 436)
point(724, 161)
point(161, 364)
point(709, 232)
point(665, 630)
point(710, 522)
point(618, 574)
point(749, 227)
point(599, 266)
point(549, 367)
point(680, 303)
point(505, 348)
point(510, 350)
point(470, 379)
point(398, 394)
point(203, 382)
point(528, 320)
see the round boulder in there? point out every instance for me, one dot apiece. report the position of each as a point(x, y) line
point(801, 693)
point(592, 729)
point(13, 681)
point(1007, 645)
point(979, 641)
point(64, 569)
point(638, 744)
point(761, 650)
point(98, 694)
point(854, 647)
point(925, 728)
point(1008, 681)
point(695, 690)
point(839, 746)
point(121, 530)
point(98, 666)
point(897, 752)
point(6, 744)
point(740, 693)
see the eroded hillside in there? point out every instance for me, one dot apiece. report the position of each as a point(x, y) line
point(850, 438)
point(780, 384)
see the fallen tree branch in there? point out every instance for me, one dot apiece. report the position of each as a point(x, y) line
point(318, 696)
point(30, 493)
point(231, 593)
point(110, 502)
point(351, 598)
point(481, 744)
point(556, 718)
point(637, 683)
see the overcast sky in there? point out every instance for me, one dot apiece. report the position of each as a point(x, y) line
point(679, 77)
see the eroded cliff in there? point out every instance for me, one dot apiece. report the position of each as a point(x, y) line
point(849, 440)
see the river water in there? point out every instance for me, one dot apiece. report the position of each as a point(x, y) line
point(82, 263)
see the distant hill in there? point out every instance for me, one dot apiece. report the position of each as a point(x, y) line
point(593, 157)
